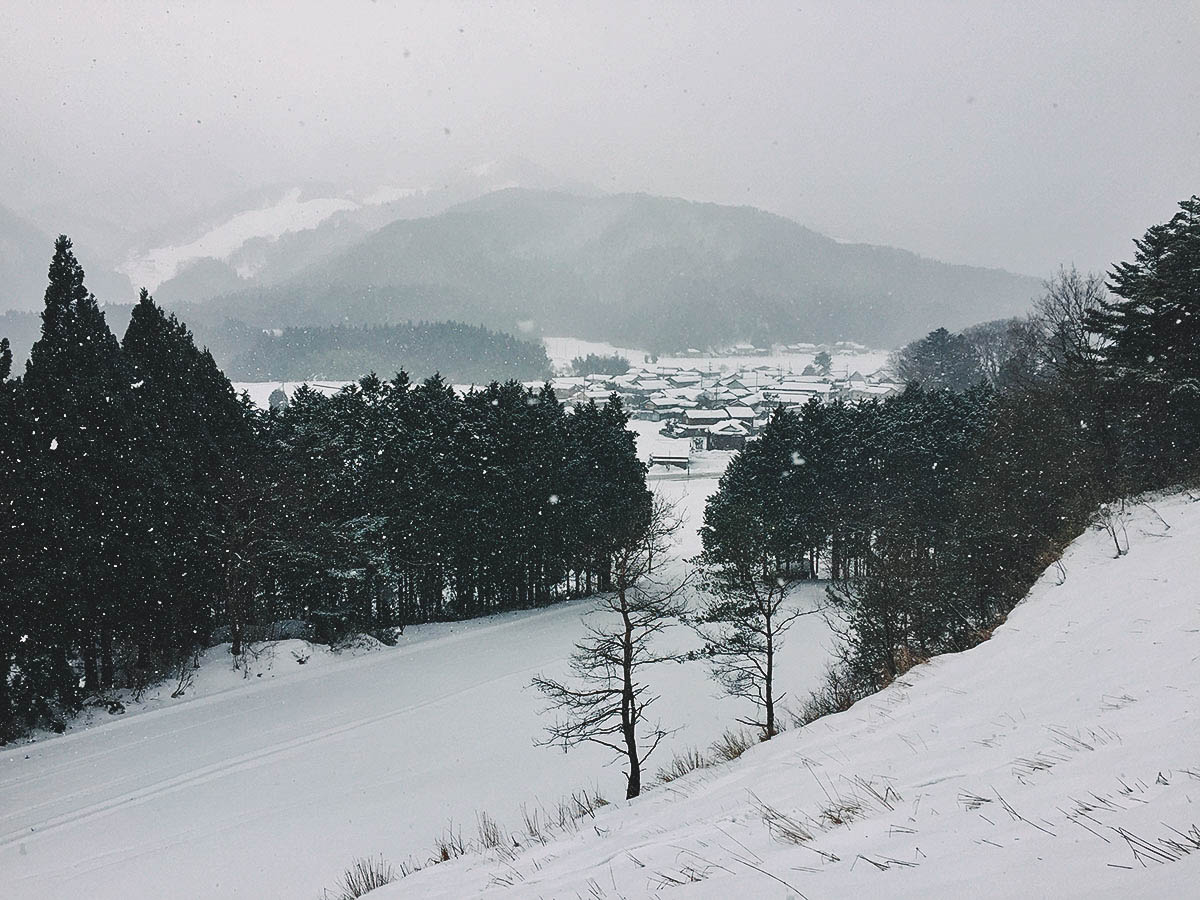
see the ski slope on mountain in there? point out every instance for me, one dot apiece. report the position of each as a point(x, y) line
point(269, 781)
point(1059, 759)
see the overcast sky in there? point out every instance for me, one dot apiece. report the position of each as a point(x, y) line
point(1017, 135)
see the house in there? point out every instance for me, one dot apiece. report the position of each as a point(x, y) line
point(868, 391)
point(725, 396)
point(797, 394)
point(659, 409)
point(727, 435)
point(698, 421)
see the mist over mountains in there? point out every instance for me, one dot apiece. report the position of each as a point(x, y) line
point(506, 246)
point(634, 269)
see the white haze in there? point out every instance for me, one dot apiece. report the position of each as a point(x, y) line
point(1018, 135)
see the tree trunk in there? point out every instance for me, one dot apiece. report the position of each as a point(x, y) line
point(769, 687)
point(91, 672)
point(628, 699)
point(233, 613)
point(107, 667)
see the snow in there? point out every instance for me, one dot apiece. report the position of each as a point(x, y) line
point(270, 784)
point(386, 195)
point(562, 350)
point(1029, 766)
point(1022, 768)
point(152, 267)
point(290, 213)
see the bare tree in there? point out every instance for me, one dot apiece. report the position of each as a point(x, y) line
point(1063, 311)
point(607, 702)
point(744, 621)
point(1073, 354)
point(1005, 350)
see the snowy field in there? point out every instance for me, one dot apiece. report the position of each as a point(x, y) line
point(1059, 759)
point(562, 350)
point(269, 785)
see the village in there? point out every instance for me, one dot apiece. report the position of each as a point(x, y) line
point(720, 409)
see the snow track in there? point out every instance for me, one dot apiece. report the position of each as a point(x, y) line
point(270, 788)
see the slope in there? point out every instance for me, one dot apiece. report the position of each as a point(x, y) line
point(1058, 759)
point(634, 270)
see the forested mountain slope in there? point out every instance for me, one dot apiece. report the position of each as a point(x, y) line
point(633, 269)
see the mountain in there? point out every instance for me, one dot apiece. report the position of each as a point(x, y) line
point(25, 254)
point(273, 232)
point(631, 269)
point(24, 259)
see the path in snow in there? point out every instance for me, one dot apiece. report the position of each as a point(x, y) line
point(270, 788)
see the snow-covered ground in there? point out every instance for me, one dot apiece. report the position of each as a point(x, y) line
point(562, 350)
point(1059, 759)
point(269, 785)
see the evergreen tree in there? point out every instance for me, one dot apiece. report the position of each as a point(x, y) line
point(192, 433)
point(77, 392)
point(13, 540)
point(1153, 330)
point(1151, 347)
point(939, 360)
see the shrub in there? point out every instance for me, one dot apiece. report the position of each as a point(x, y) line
point(731, 745)
point(364, 876)
point(681, 763)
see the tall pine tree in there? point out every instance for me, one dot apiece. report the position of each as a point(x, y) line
point(77, 393)
point(1151, 335)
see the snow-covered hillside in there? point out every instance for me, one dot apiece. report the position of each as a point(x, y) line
point(290, 213)
point(268, 784)
point(1059, 759)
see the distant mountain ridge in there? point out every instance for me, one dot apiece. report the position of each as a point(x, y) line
point(633, 269)
point(24, 260)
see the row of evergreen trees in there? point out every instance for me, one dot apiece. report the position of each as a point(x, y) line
point(461, 353)
point(146, 507)
point(933, 511)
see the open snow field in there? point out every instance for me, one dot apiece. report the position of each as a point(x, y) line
point(562, 350)
point(270, 785)
point(1060, 759)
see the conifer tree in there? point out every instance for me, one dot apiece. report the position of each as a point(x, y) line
point(77, 391)
point(1151, 347)
point(192, 431)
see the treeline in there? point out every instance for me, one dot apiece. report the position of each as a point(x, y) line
point(932, 512)
point(148, 509)
point(461, 353)
point(595, 364)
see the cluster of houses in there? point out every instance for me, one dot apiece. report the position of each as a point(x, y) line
point(719, 410)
